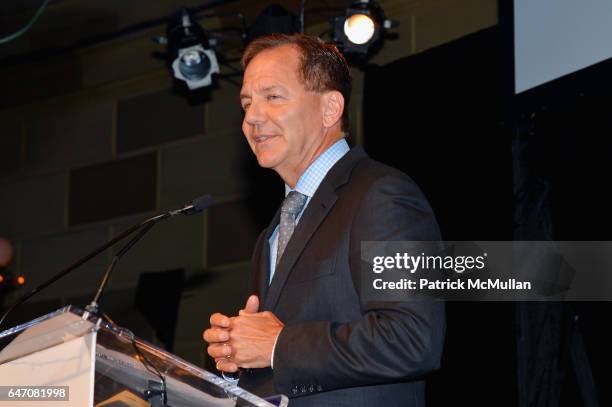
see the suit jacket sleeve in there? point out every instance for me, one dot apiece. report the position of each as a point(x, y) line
point(391, 341)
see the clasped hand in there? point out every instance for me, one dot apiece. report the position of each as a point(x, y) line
point(244, 341)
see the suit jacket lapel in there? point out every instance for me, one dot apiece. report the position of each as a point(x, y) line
point(317, 209)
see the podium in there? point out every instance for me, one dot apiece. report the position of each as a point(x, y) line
point(71, 358)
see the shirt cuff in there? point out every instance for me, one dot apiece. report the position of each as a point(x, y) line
point(273, 349)
point(230, 378)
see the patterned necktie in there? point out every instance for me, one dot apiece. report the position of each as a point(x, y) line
point(292, 205)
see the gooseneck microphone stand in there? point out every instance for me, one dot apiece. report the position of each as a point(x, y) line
point(93, 307)
point(197, 205)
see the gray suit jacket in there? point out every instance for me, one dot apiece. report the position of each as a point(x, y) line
point(337, 349)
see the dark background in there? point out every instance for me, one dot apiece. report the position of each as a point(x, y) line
point(452, 131)
point(444, 115)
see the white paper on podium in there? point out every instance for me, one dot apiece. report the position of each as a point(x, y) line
point(68, 363)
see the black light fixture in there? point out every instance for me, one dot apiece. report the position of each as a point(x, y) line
point(192, 58)
point(274, 19)
point(361, 29)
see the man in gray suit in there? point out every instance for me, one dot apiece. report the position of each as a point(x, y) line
point(307, 331)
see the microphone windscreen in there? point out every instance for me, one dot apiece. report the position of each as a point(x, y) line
point(202, 203)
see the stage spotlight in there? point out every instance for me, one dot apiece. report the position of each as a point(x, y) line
point(20, 280)
point(193, 59)
point(361, 28)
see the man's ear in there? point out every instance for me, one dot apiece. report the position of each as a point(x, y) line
point(333, 107)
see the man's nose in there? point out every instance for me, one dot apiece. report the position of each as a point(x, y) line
point(254, 115)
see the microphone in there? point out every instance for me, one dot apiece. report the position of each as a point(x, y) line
point(195, 206)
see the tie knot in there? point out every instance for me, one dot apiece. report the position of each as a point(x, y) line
point(293, 203)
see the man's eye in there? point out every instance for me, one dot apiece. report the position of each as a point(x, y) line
point(245, 106)
point(273, 97)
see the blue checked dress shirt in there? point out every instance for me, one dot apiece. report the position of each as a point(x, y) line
point(307, 185)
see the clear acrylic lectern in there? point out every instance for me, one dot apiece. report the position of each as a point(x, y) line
point(72, 356)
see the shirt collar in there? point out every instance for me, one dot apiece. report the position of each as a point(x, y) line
point(314, 174)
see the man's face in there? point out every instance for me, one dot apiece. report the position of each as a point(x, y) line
point(283, 122)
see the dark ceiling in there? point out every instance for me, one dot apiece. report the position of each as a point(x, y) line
point(66, 23)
